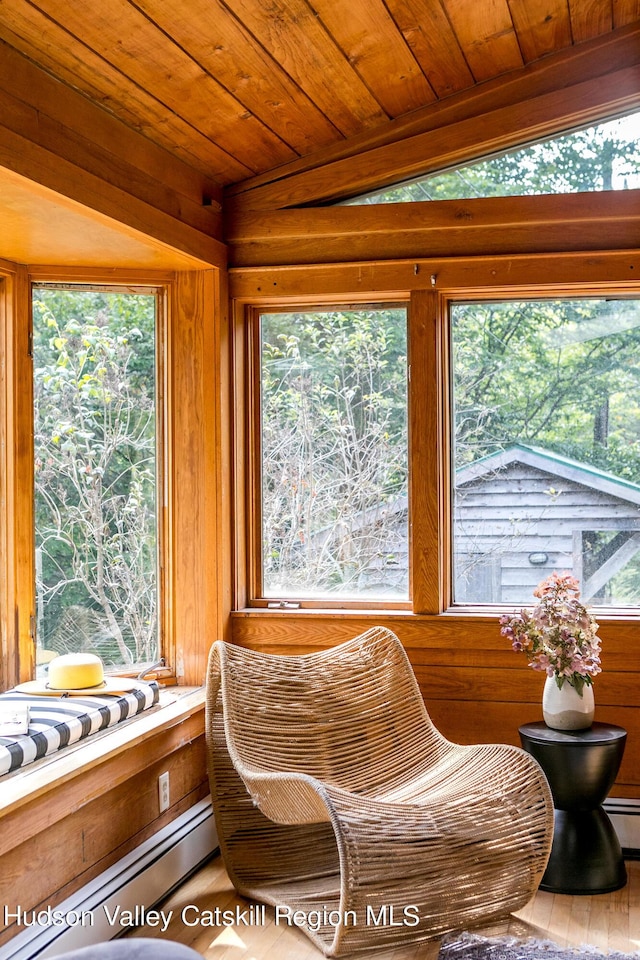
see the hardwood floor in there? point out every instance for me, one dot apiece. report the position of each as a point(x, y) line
point(607, 922)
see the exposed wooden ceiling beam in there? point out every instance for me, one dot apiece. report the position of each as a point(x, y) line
point(366, 281)
point(495, 225)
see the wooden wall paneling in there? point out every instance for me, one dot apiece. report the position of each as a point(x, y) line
point(498, 722)
point(625, 12)
point(456, 638)
point(99, 813)
point(446, 146)
point(98, 835)
point(557, 272)
point(590, 18)
point(59, 784)
point(196, 452)
point(475, 687)
point(512, 681)
point(443, 228)
point(53, 870)
point(426, 476)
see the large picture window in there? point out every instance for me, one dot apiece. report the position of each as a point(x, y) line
point(95, 462)
point(546, 452)
point(334, 460)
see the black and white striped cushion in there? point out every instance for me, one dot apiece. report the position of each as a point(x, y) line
point(57, 722)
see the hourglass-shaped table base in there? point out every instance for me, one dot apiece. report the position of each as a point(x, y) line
point(581, 767)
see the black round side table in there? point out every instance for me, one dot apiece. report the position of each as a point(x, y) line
point(581, 766)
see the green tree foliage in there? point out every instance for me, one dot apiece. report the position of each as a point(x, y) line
point(602, 157)
point(94, 386)
point(333, 448)
point(560, 374)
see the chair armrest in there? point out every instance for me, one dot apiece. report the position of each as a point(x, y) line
point(287, 798)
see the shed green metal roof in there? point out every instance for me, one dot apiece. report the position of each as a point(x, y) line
point(592, 475)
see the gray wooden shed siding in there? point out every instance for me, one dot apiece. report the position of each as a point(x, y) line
point(524, 501)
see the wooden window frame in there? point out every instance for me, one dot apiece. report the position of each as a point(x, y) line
point(502, 295)
point(250, 461)
point(499, 293)
point(17, 563)
point(16, 517)
point(160, 295)
point(430, 286)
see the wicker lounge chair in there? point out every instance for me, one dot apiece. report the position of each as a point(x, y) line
point(338, 802)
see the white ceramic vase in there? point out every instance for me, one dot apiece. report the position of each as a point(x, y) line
point(564, 709)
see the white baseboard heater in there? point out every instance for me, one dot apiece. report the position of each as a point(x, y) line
point(140, 880)
point(625, 817)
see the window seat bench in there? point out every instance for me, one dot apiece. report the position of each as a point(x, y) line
point(81, 809)
point(58, 722)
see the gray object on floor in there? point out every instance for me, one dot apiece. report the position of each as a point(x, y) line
point(134, 948)
point(470, 946)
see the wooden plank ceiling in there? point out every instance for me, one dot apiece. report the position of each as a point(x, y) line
point(237, 88)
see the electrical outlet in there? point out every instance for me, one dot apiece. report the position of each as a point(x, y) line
point(163, 791)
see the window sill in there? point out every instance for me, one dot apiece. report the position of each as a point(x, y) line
point(332, 611)
point(479, 613)
point(34, 781)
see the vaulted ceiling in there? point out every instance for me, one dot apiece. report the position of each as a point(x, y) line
point(237, 88)
point(151, 130)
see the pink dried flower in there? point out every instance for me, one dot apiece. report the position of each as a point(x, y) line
point(559, 636)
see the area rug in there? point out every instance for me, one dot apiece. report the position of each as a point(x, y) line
point(469, 946)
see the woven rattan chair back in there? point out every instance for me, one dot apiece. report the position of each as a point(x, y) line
point(352, 716)
point(336, 797)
